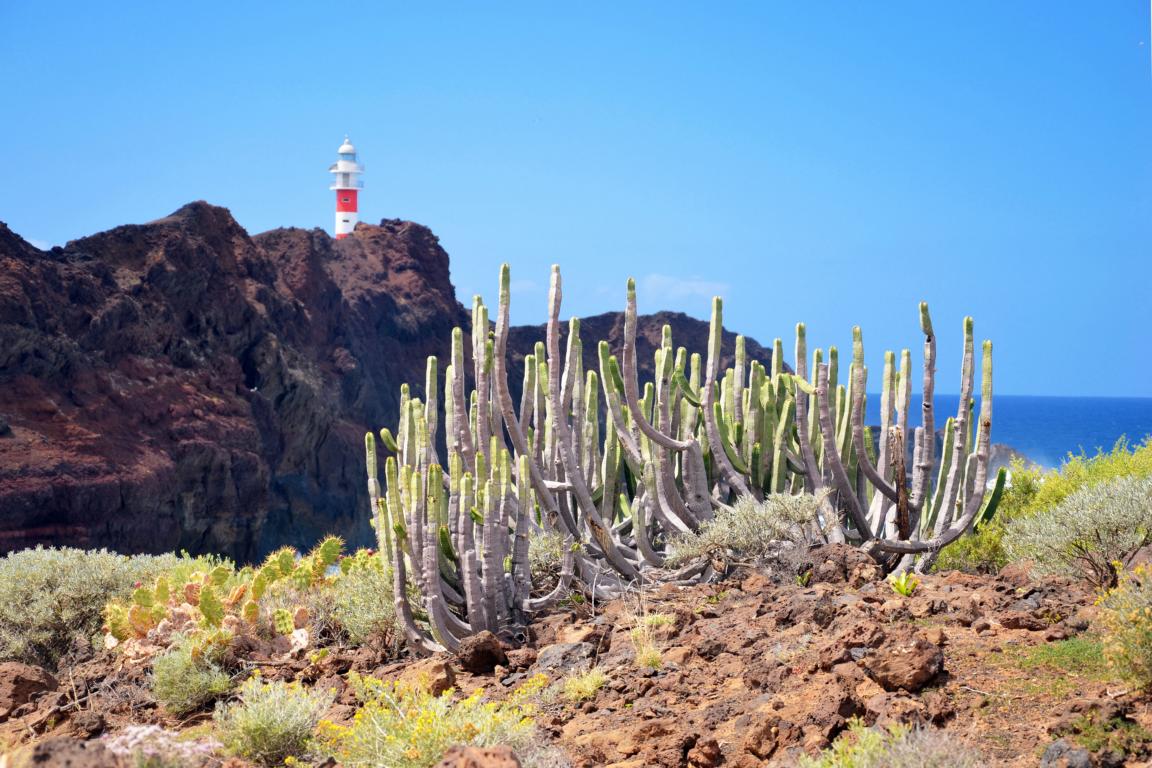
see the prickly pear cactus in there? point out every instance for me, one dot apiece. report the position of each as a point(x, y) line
point(283, 621)
point(210, 606)
point(250, 612)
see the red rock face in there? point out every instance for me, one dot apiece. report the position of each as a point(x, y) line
point(182, 385)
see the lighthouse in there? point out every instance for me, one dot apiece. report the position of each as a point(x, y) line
point(347, 185)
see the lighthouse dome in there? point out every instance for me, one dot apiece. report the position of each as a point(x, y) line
point(346, 148)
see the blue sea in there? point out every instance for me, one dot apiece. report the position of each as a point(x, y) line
point(1047, 429)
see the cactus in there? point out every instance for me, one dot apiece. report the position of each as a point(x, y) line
point(211, 608)
point(250, 612)
point(457, 532)
point(283, 621)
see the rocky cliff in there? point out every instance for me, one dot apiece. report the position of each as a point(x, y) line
point(181, 384)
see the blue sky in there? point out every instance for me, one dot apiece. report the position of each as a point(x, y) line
point(833, 163)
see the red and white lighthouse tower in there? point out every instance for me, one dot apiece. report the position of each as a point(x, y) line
point(347, 185)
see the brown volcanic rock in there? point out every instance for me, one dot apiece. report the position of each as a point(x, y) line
point(183, 385)
point(180, 384)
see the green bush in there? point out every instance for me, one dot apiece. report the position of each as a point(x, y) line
point(53, 595)
point(1033, 490)
point(1089, 533)
point(1126, 619)
point(362, 602)
point(756, 530)
point(272, 721)
point(189, 675)
point(899, 746)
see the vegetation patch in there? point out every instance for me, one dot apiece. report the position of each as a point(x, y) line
point(898, 746)
point(53, 595)
point(405, 726)
point(1115, 734)
point(765, 531)
point(190, 674)
point(1091, 533)
point(1035, 490)
point(1126, 619)
point(272, 722)
point(584, 686)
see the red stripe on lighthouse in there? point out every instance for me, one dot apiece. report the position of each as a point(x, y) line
point(346, 200)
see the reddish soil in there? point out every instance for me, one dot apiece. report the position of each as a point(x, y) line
point(752, 672)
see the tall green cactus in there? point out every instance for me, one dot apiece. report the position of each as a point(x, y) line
point(616, 466)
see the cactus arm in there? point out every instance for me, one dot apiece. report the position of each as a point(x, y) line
point(615, 410)
point(459, 404)
point(696, 482)
point(983, 436)
point(832, 458)
point(432, 588)
point(929, 521)
point(960, 436)
point(631, 386)
point(779, 446)
point(641, 510)
point(812, 475)
point(504, 402)
point(564, 441)
point(988, 509)
point(922, 471)
point(432, 408)
point(711, 424)
point(857, 411)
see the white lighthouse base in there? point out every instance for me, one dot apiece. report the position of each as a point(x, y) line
point(345, 223)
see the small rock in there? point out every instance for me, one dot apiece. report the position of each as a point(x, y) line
point(87, 724)
point(908, 664)
point(705, 754)
point(936, 636)
point(478, 757)
point(678, 655)
point(434, 675)
point(481, 653)
point(981, 625)
point(19, 683)
point(562, 657)
point(580, 634)
point(1061, 754)
point(1021, 620)
point(892, 708)
point(521, 658)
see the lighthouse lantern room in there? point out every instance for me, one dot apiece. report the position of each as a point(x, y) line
point(347, 185)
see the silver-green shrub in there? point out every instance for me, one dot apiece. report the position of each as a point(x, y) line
point(53, 595)
point(362, 604)
point(1088, 532)
point(272, 721)
point(755, 530)
point(899, 746)
point(189, 675)
point(545, 555)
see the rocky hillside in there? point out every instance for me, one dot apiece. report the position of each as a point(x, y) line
point(184, 385)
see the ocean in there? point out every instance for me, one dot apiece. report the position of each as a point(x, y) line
point(1047, 429)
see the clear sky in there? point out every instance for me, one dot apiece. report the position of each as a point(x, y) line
point(827, 162)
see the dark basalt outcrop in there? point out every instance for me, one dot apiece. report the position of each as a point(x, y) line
point(183, 385)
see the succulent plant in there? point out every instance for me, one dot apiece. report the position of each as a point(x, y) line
point(616, 467)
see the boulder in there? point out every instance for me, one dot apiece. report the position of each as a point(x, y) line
point(907, 664)
point(481, 653)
